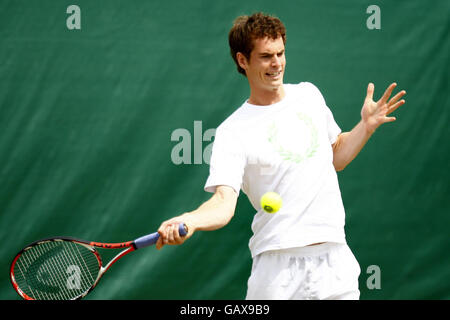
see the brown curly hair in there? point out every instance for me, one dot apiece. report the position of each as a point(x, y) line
point(246, 29)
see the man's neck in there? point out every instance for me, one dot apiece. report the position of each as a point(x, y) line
point(264, 97)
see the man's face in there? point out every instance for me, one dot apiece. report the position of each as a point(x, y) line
point(265, 68)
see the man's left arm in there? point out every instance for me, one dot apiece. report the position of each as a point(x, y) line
point(373, 114)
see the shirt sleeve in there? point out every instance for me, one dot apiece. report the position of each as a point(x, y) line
point(227, 162)
point(333, 129)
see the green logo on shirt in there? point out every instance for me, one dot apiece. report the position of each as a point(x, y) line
point(288, 154)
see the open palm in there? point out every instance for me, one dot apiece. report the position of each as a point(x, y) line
point(376, 113)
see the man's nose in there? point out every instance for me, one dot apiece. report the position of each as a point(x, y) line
point(276, 61)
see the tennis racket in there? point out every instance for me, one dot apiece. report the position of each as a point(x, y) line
point(65, 268)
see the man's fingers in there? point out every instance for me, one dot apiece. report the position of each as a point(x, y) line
point(170, 233)
point(388, 93)
point(395, 106)
point(176, 235)
point(162, 232)
point(397, 96)
point(159, 243)
point(163, 235)
point(370, 90)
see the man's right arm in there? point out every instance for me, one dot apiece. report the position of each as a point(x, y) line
point(211, 215)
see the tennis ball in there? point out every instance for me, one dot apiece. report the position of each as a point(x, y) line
point(271, 202)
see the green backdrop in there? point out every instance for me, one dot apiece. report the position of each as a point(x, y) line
point(87, 117)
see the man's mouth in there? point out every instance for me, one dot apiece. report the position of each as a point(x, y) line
point(275, 74)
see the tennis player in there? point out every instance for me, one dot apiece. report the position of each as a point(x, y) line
point(284, 139)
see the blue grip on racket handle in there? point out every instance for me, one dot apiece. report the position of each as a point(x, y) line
point(150, 239)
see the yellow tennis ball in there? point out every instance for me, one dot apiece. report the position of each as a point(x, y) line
point(271, 202)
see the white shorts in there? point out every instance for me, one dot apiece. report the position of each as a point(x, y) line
point(324, 271)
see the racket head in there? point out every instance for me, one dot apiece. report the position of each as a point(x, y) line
point(55, 269)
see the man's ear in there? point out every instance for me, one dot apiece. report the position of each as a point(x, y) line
point(242, 60)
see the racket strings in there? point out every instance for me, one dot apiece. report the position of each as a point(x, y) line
point(56, 270)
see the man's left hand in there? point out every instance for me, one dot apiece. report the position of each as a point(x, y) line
point(373, 113)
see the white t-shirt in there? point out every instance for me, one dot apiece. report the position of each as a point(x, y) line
point(285, 147)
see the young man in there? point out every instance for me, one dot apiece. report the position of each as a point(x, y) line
point(284, 139)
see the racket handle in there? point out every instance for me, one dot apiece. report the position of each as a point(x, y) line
point(151, 239)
